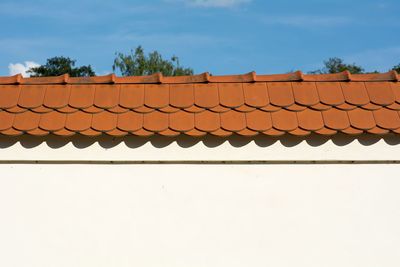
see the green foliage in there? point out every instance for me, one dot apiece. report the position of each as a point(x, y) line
point(137, 64)
point(396, 68)
point(335, 65)
point(56, 66)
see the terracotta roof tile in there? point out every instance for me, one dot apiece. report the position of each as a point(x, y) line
point(245, 108)
point(220, 109)
point(207, 121)
point(255, 94)
point(258, 120)
point(64, 132)
point(78, 121)
point(377, 130)
point(6, 120)
point(57, 96)
point(295, 107)
point(9, 95)
point(169, 132)
point(206, 95)
point(296, 104)
point(284, 120)
point(274, 132)
point(387, 119)
point(355, 93)
point(396, 90)
point(300, 132)
point(181, 95)
point(231, 94)
point(326, 131)
point(320, 107)
point(31, 96)
point(93, 109)
point(233, 121)
point(280, 94)
point(247, 132)
point(169, 109)
point(361, 119)
point(131, 95)
point(305, 93)
point(195, 132)
point(371, 106)
point(41, 109)
point(106, 96)
point(90, 132)
point(26, 121)
point(310, 120)
point(117, 133)
point(352, 131)
point(330, 93)
point(181, 121)
point(156, 96)
point(221, 133)
point(143, 132)
point(155, 121)
point(336, 119)
point(130, 121)
point(118, 109)
point(104, 121)
point(52, 121)
point(82, 96)
point(38, 132)
point(380, 93)
point(11, 132)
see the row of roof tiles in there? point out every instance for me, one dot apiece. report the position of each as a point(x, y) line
point(203, 78)
point(301, 123)
point(219, 108)
point(196, 97)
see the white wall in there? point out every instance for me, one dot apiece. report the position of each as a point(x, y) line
point(185, 215)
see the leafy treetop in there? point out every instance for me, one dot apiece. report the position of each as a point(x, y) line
point(396, 68)
point(335, 65)
point(137, 64)
point(56, 66)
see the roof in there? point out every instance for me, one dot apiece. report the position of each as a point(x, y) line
point(197, 105)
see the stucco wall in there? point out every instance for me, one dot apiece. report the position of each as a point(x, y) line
point(263, 208)
point(199, 215)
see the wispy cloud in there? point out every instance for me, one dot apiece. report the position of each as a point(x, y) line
point(21, 68)
point(211, 3)
point(307, 21)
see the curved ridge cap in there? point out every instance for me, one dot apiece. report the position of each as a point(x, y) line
point(248, 77)
point(15, 79)
point(331, 77)
point(287, 77)
point(110, 78)
point(387, 76)
point(158, 78)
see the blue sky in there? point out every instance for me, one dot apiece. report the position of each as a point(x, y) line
point(219, 36)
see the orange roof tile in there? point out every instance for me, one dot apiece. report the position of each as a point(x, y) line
point(249, 104)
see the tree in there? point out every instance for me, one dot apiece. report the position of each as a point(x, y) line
point(137, 64)
point(396, 68)
point(56, 66)
point(335, 65)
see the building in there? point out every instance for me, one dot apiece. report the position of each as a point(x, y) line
point(243, 170)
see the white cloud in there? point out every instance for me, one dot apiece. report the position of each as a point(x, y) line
point(211, 3)
point(22, 68)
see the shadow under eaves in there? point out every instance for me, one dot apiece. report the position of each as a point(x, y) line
point(183, 141)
